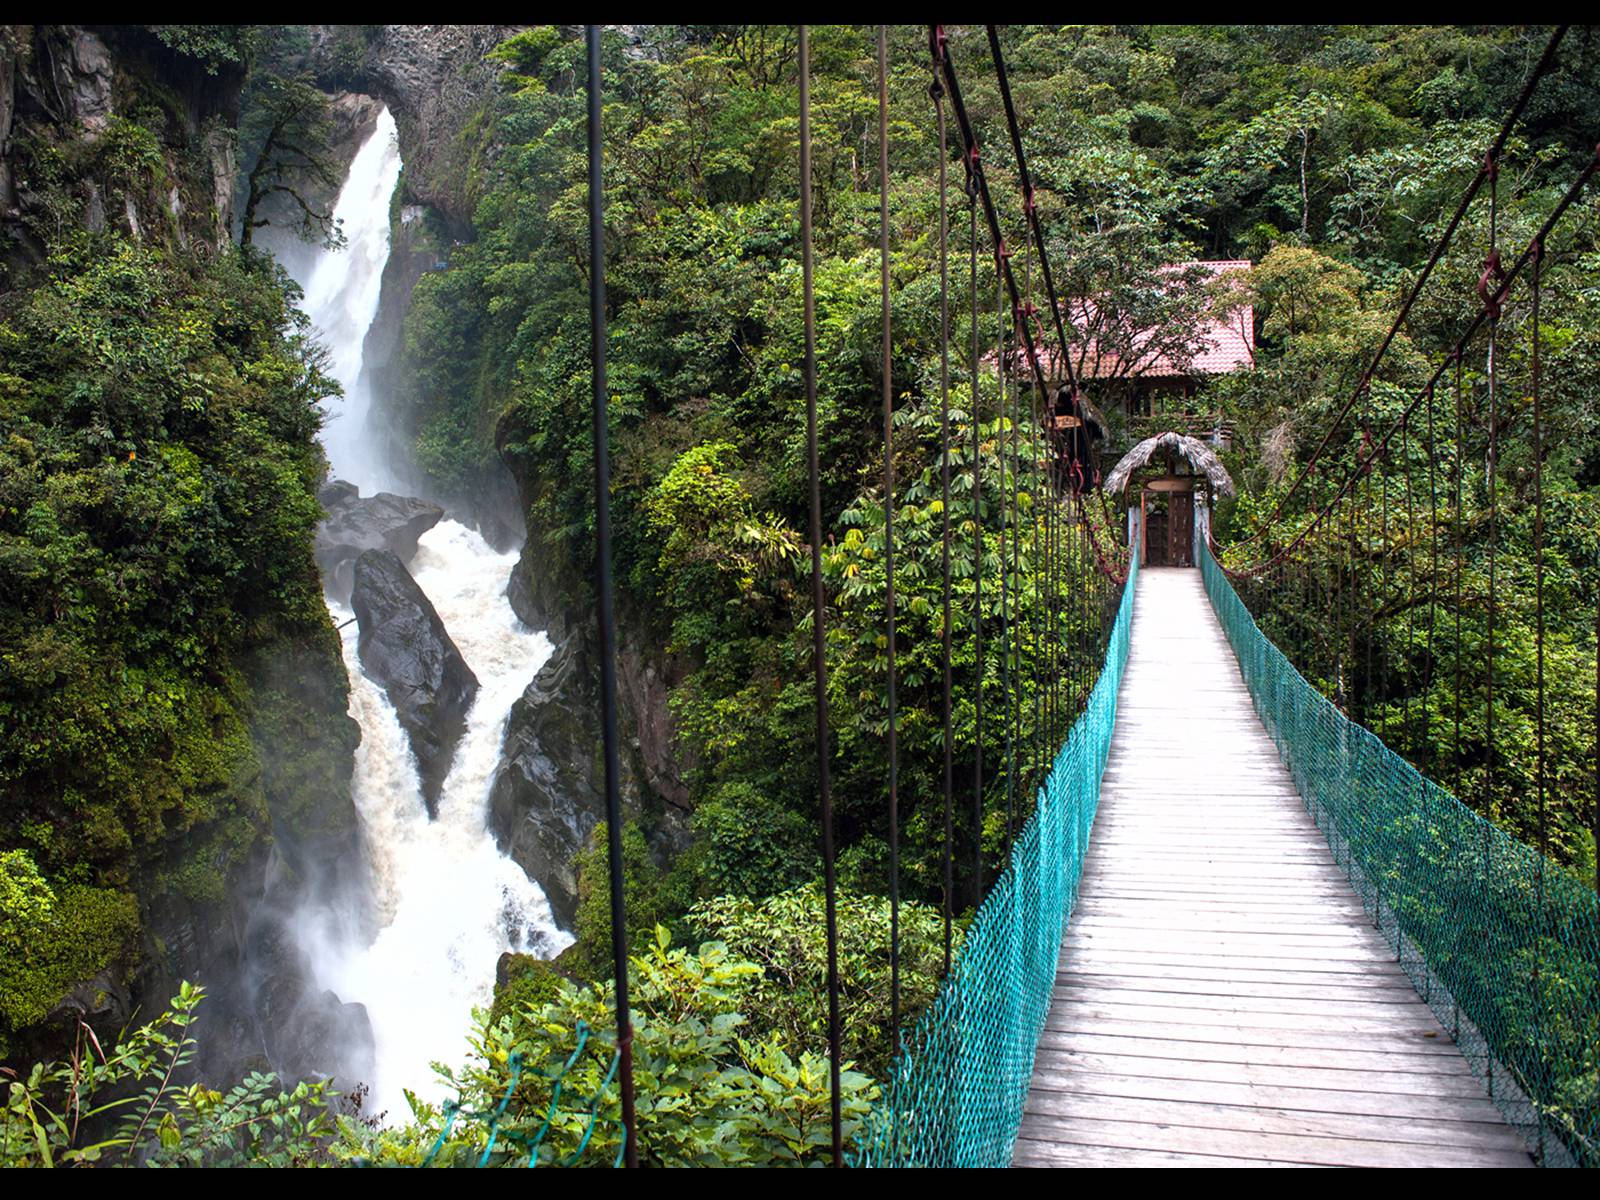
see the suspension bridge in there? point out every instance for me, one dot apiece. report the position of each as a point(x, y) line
point(1231, 924)
point(1222, 997)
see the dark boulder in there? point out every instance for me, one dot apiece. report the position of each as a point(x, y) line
point(355, 525)
point(306, 1031)
point(336, 493)
point(406, 650)
point(549, 791)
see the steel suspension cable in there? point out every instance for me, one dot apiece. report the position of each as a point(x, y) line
point(991, 213)
point(603, 593)
point(936, 90)
point(978, 552)
point(1495, 297)
point(888, 538)
point(819, 606)
point(1029, 209)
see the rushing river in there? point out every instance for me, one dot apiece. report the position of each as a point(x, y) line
point(445, 901)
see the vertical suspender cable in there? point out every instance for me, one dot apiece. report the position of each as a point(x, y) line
point(888, 537)
point(1408, 730)
point(974, 416)
point(1036, 561)
point(1460, 526)
point(819, 601)
point(1493, 465)
point(936, 90)
point(1428, 739)
point(1383, 587)
point(1007, 629)
point(1019, 625)
point(608, 650)
point(1538, 654)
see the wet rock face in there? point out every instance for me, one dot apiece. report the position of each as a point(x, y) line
point(307, 1032)
point(355, 525)
point(405, 649)
point(549, 791)
point(433, 78)
point(60, 88)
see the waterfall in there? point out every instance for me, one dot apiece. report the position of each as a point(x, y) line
point(341, 297)
point(445, 901)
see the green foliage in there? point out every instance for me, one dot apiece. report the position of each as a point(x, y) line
point(157, 496)
point(526, 982)
point(1373, 606)
point(125, 1106)
point(710, 1093)
point(752, 845)
point(285, 131)
point(216, 46)
point(785, 934)
point(655, 897)
point(54, 939)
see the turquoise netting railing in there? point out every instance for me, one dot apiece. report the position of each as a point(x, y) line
point(1502, 944)
point(955, 1093)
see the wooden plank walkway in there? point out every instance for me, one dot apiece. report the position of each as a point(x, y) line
point(1221, 999)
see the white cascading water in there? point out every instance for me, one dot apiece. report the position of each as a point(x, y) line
point(447, 901)
point(341, 297)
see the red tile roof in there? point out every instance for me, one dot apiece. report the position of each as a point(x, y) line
point(1227, 340)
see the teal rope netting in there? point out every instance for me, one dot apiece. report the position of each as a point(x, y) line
point(955, 1093)
point(1501, 943)
point(514, 1134)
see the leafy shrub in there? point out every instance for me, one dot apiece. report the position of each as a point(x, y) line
point(125, 1107)
point(654, 897)
point(49, 940)
point(707, 1095)
point(785, 935)
point(752, 844)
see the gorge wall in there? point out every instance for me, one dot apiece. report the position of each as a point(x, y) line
point(207, 836)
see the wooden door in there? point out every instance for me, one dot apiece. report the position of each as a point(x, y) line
point(1157, 538)
point(1180, 529)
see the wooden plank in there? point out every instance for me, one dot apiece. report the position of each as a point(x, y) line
point(1048, 1154)
point(1310, 990)
point(1287, 1054)
point(1391, 1104)
point(1054, 1063)
point(1083, 957)
point(1315, 1151)
point(1331, 1008)
point(1262, 1029)
point(1253, 1116)
point(1222, 997)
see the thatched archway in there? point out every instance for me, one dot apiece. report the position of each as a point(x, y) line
point(1167, 526)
